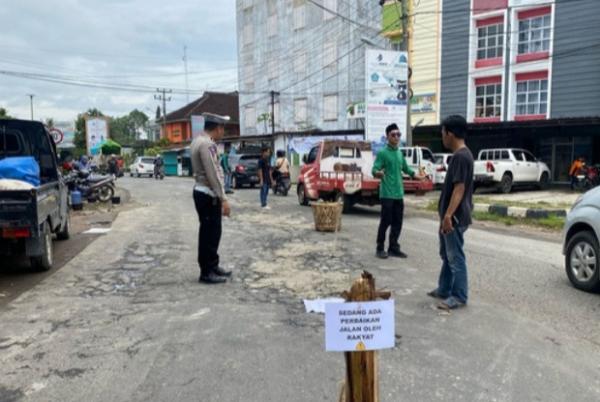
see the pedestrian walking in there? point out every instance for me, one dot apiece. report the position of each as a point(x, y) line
point(455, 207)
point(209, 197)
point(226, 169)
point(389, 166)
point(265, 176)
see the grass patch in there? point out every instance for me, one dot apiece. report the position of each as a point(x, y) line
point(552, 222)
point(432, 206)
point(530, 205)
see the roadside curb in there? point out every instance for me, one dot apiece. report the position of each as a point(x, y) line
point(519, 212)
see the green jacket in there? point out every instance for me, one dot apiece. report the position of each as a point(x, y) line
point(393, 163)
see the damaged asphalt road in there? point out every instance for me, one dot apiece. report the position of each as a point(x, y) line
point(126, 320)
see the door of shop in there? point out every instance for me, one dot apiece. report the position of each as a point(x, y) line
point(563, 155)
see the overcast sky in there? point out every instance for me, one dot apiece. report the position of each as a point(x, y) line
point(137, 44)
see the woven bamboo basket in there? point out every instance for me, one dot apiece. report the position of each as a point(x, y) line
point(326, 215)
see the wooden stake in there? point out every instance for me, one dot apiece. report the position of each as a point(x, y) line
point(362, 379)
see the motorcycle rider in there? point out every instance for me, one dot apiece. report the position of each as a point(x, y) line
point(577, 165)
point(113, 168)
point(282, 168)
point(158, 166)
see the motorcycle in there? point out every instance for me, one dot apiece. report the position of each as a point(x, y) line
point(588, 177)
point(159, 172)
point(91, 186)
point(282, 184)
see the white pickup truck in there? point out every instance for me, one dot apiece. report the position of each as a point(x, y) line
point(420, 158)
point(507, 168)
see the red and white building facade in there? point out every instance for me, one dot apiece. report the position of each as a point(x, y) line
point(510, 60)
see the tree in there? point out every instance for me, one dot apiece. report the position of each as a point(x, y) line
point(4, 114)
point(50, 122)
point(79, 140)
point(264, 118)
point(125, 129)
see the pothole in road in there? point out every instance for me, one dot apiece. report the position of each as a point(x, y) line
point(288, 261)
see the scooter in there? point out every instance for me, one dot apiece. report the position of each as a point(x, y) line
point(282, 185)
point(587, 178)
point(91, 186)
point(159, 172)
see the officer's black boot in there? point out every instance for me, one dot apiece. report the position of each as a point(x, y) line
point(211, 278)
point(221, 272)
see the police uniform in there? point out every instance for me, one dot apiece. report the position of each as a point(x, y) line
point(209, 194)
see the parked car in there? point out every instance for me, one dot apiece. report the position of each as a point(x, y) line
point(143, 165)
point(508, 168)
point(581, 236)
point(441, 162)
point(341, 170)
point(244, 169)
point(31, 212)
point(420, 159)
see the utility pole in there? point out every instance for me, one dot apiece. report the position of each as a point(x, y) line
point(407, 47)
point(273, 93)
point(31, 104)
point(185, 66)
point(163, 97)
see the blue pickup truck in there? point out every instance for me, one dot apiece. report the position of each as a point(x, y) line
point(30, 218)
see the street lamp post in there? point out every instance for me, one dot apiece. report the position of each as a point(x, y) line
point(31, 104)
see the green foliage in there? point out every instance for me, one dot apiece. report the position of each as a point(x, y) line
point(49, 122)
point(154, 151)
point(123, 129)
point(4, 114)
point(163, 142)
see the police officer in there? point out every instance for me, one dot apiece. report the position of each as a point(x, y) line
point(209, 197)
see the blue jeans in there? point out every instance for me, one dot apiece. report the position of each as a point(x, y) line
point(228, 182)
point(264, 192)
point(453, 277)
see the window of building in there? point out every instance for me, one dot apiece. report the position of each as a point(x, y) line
point(329, 54)
point(272, 25)
point(250, 117)
point(249, 76)
point(534, 34)
point(488, 97)
point(246, 4)
point(299, 14)
point(248, 34)
point(532, 97)
point(490, 41)
point(329, 5)
point(300, 62)
point(300, 110)
point(330, 107)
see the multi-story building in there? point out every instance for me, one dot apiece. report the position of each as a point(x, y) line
point(519, 68)
point(424, 52)
point(311, 54)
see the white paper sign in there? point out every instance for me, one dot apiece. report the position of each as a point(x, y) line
point(360, 326)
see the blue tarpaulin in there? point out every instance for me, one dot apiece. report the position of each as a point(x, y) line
point(24, 168)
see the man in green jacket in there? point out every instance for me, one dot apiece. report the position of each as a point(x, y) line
point(389, 166)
